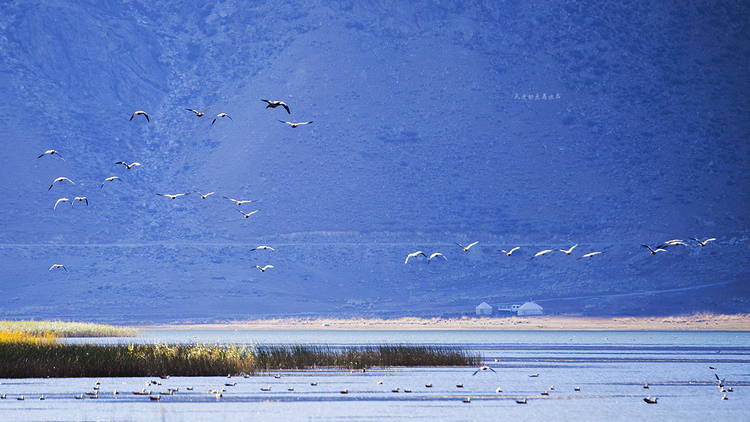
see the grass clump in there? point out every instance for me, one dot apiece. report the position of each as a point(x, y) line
point(68, 329)
point(38, 359)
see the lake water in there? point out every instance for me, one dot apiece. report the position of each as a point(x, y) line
point(610, 368)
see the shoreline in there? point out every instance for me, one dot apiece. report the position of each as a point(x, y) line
point(699, 322)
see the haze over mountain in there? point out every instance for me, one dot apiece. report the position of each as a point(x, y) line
point(509, 123)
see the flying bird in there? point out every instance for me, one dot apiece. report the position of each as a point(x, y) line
point(590, 254)
point(205, 195)
point(139, 112)
point(296, 124)
point(649, 400)
point(654, 251)
point(51, 152)
point(221, 115)
point(128, 166)
point(466, 248)
point(198, 113)
point(264, 247)
point(60, 179)
point(692, 238)
point(435, 255)
point(81, 199)
point(673, 242)
point(262, 269)
point(414, 255)
point(238, 202)
point(109, 179)
point(62, 200)
point(274, 104)
point(510, 251)
point(483, 368)
point(247, 215)
point(173, 196)
point(544, 252)
point(567, 252)
point(58, 266)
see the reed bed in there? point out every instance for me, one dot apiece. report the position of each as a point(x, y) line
point(24, 359)
point(68, 329)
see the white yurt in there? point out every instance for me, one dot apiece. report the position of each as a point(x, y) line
point(484, 309)
point(529, 308)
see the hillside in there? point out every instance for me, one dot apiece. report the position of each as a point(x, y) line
point(423, 135)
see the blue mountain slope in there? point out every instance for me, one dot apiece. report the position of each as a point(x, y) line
point(426, 131)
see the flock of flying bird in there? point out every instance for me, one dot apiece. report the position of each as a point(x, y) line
point(129, 166)
point(660, 248)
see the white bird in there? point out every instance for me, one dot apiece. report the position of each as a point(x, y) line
point(128, 166)
point(81, 199)
point(704, 242)
point(221, 115)
point(262, 269)
point(673, 242)
point(654, 251)
point(544, 252)
point(414, 255)
point(296, 124)
point(62, 200)
point(197, 113)
point(247, 215)
point(264, 247)
point(204, 196)
point(590, 254)
point(58, 266)
point(568, 251)
point(51, 152)
point(274, 104)
point(109, 179)
point(139, 112)
point(173, 196)
point(435, 255)
point(510, 251)
point(60, 179)
point(238, 202)
point(466, 248)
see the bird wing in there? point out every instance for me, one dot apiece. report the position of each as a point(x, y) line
point(269, 102)
point(121, 162)
point(287, 108)
point(289, 123)
point(214, 121)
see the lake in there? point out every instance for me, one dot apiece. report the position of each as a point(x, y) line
point(609, 368)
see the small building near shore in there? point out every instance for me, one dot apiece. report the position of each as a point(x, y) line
point(529, 309)
point(484, 309)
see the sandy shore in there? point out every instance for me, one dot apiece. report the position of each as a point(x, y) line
point(701, 322)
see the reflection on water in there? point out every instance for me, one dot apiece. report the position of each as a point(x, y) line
point(609, 368)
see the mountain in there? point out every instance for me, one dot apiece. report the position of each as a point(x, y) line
point(512, 124)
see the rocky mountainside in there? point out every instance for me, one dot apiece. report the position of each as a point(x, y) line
point(512, 124)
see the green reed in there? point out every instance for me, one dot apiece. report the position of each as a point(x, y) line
point(35, 360)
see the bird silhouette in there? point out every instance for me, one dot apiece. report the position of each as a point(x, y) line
point(466, 248)
point(699, 242)
point(58, 266)
point(60, 179)
point(262, 269)
point(414, 255)
point(109, 179)
point(62, 200)
point(274, 104)
point(221, 115)
point(139, 112)
point(510, 251)
point(247, 215)
point(198, 113)
point(296, 124)
point(654, 251)
point(51, 152)
point(568, 251)
point(435, 255)
point(128, 166)
point(173, 196)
